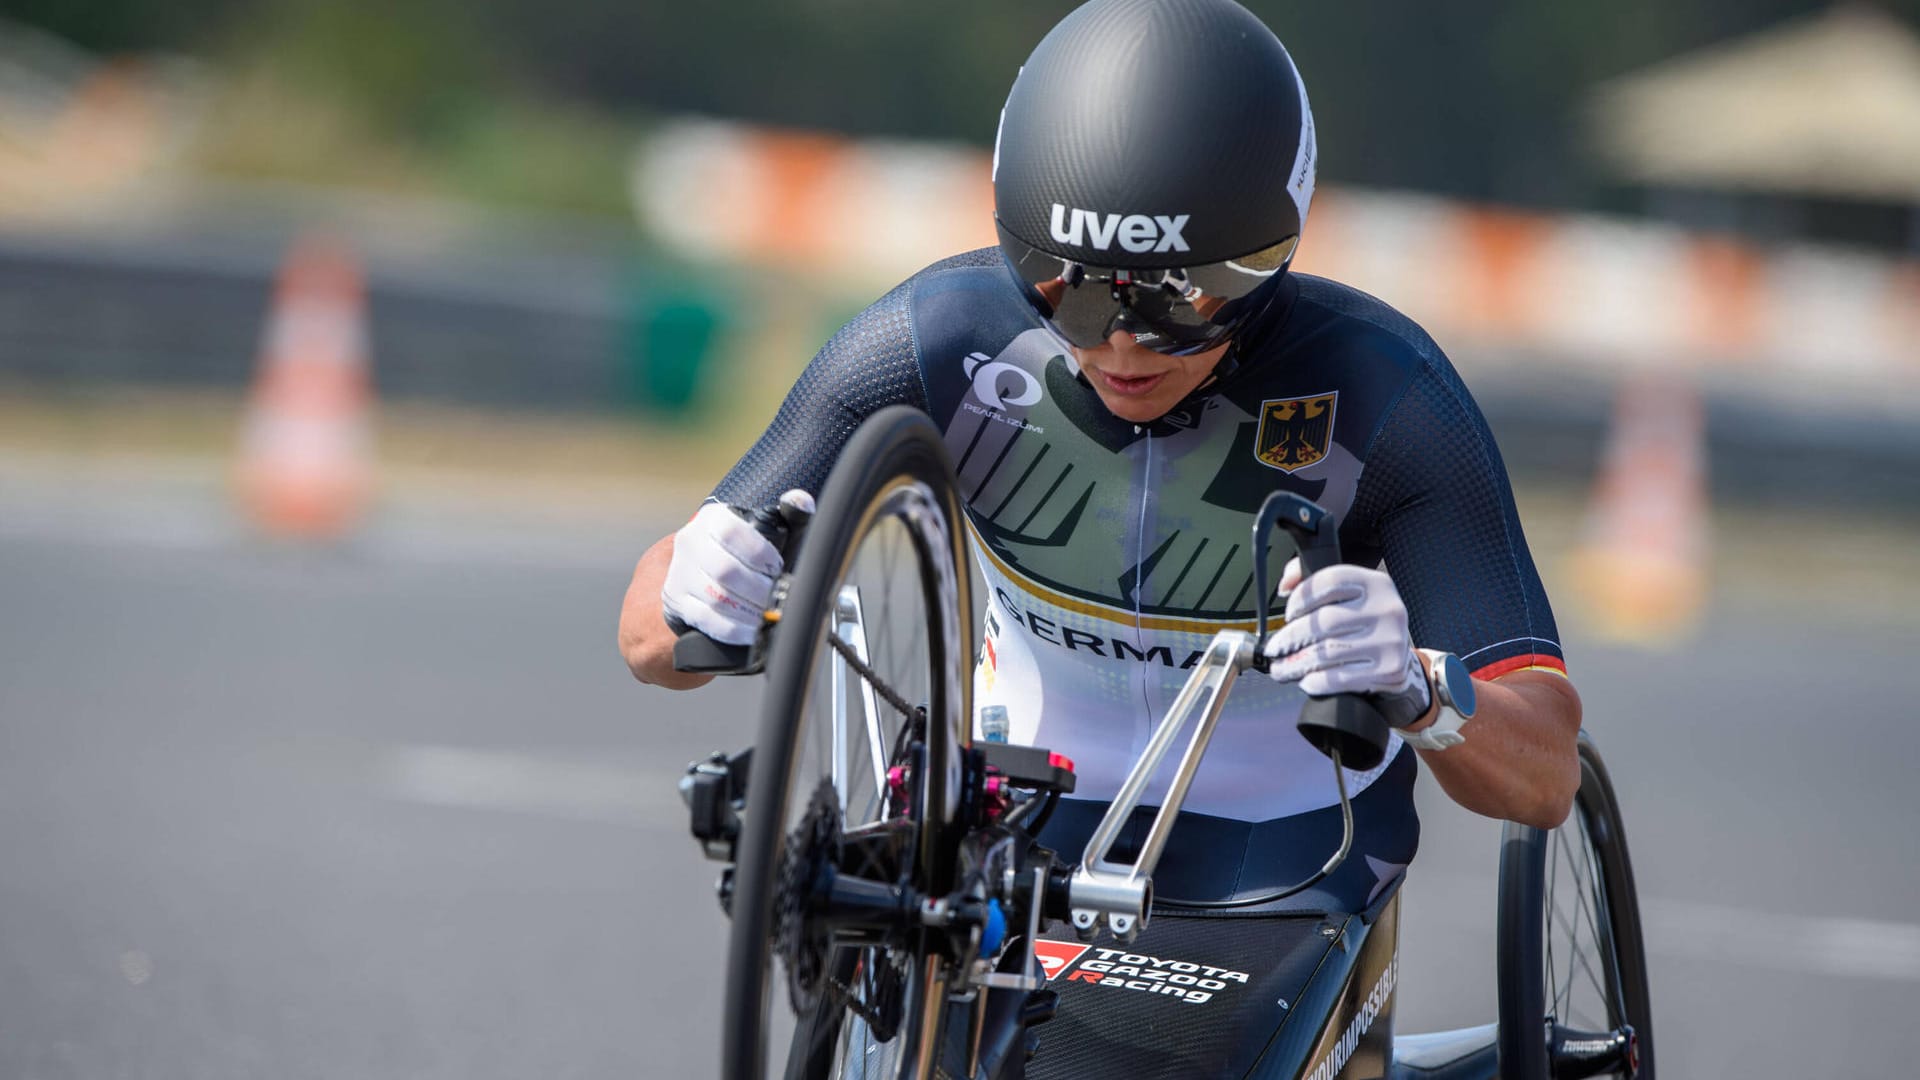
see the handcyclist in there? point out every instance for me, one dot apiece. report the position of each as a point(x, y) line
point(1121, 380)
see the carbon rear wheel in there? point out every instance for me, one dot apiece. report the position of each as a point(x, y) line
point(856, 776)
point(1572, 964)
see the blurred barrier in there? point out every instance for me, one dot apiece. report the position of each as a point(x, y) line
point(874, 210)
point(306, 464)
point(1602, 293)
point(1613, 294)
point(523, 328)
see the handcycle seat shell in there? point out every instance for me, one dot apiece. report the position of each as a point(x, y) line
point(1132, 1019)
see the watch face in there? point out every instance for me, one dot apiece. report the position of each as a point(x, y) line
point(1457, 684)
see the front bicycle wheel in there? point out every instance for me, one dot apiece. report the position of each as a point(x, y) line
point(1572, 965)
point(855, 780)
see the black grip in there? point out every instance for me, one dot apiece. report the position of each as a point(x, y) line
point(694, 651)
point(1349, 723)
point(1313, 532)
point(783, 525)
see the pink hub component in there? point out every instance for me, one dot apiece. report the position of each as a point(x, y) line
point(897, 788)
point(997, 795)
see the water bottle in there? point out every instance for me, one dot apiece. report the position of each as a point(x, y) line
point(993, 723)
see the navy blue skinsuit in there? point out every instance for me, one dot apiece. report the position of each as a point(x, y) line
point(1113, 551)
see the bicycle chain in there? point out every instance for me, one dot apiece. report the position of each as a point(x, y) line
point(887, 693)
point(882, 1028)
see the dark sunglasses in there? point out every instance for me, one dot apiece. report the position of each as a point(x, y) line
point(1177, 311)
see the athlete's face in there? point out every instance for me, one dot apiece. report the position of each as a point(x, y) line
point(1136, 383)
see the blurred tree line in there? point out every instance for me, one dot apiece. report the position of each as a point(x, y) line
point(1482, 99)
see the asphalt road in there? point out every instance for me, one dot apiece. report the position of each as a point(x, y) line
point(397, 810)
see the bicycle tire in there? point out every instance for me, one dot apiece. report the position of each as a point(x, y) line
point(1531, 996)
point(893, 489)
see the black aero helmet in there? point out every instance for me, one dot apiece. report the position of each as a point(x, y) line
point(1153, 169)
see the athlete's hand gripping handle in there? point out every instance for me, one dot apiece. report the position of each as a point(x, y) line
point(782, 525)
point(1348, 723)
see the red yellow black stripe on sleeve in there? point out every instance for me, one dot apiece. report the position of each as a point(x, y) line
point(1524, 662)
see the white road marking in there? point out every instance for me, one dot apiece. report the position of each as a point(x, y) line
point(522, 783)
point(1837, 945)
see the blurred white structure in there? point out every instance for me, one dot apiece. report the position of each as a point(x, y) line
point(1828, 105)
point(77, 131)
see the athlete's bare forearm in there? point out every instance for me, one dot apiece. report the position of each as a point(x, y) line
point(1520, 761)
point(645, 641)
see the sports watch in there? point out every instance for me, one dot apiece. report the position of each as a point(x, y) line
point(1452, 689)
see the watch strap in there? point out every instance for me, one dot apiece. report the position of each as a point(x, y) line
point(1444, 732)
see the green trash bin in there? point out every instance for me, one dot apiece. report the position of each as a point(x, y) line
point(672, 334)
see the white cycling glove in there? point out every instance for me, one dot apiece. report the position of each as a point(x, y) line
point(721, 578)
point(1346, 633)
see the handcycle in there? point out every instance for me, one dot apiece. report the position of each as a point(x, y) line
point(893, 914)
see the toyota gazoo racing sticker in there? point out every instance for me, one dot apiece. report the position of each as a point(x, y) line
point(1118, 969)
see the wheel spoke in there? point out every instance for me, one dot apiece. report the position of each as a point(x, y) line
point(1553, 877)
point(1563, 992)
point(1577, 962)
point(1564, 995)
point(1587, 910)
point(1589, 877)
point(1582, 912)
point(1602, 921)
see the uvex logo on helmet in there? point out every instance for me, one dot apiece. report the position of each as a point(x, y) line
point(1136, 232)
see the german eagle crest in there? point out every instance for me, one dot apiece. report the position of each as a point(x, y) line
point(1295, 432)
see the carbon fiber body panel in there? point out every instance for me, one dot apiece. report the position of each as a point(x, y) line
point(1283, 997)
point(1122, 1015)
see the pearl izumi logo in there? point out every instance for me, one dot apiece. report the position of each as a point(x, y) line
point(1136, 232)
point(998, 384)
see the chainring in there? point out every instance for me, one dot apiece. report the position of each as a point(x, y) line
point(811, 846)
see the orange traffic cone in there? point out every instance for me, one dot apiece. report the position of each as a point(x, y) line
point(1640, 570)
point(306, 453)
